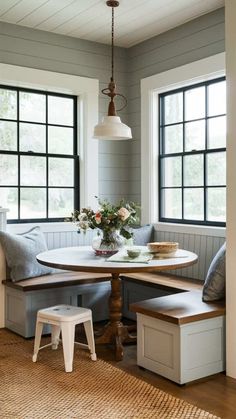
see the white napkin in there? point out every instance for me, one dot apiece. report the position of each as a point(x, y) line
point(123, 257)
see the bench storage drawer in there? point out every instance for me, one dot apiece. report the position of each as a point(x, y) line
point(180, 336)
point(181, 353)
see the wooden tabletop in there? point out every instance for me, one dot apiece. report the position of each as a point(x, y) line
point(83, 259)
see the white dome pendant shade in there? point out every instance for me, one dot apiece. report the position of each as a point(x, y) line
point(111, 128)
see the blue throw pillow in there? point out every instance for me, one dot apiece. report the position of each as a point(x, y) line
point(214, 286)
point(21, 251)
point(143, 235)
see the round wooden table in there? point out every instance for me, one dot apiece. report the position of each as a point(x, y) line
point(84, 259)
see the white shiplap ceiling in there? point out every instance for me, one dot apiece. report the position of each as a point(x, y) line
point(135, 20)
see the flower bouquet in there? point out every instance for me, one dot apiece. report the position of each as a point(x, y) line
point(112, 223)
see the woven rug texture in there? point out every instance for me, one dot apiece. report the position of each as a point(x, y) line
point(94, 390)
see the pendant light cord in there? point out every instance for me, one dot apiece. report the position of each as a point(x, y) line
point(110, 91)
point(112, 44)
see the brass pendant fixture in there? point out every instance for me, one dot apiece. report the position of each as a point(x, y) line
point(111, 127)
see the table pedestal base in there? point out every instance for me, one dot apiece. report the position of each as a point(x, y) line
point(115, 332)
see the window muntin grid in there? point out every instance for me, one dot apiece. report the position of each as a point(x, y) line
point(38, 154)
point(192, 154)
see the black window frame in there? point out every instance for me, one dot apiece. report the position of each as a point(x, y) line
point(47, 155)
point(204, 152)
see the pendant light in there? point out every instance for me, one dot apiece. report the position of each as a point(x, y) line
point(111, 127)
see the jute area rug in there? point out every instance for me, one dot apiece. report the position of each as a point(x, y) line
point(94, 390)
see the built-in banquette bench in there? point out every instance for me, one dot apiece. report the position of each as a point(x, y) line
point(142, 286)
point(179, 336)
point(24, 298)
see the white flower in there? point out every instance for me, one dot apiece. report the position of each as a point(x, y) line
point(84, 225)
point(82, 216)
point(123, 213)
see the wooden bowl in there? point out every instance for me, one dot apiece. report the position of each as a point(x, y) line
point(163, 247)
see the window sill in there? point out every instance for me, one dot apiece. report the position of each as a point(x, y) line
point(191, 229)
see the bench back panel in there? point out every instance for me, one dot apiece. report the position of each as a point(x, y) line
point(204, 246)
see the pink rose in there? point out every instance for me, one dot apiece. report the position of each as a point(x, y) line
point(98, 217)
point(123, 213)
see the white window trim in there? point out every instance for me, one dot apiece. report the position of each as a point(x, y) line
point(196, 72)
point(87, 91)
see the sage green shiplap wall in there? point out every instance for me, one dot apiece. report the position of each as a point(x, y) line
point(119, 162)
point(197, 39)
point(46, 51)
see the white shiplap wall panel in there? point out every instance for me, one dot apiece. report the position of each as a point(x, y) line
point(65, 15)
point(6, 5)
point(50, 240)
point(48, 9)
point(20, 9)
point(204, 246)
point(136, 20)
point(68, 238)
point(90, 18)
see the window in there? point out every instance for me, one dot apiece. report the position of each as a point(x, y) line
point(38, 154)
point(192, 154)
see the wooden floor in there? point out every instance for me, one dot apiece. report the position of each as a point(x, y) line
point(216, 394)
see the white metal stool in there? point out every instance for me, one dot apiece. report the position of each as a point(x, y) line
point(64, 318)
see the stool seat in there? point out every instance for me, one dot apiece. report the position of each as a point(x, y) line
point(63, 319)
point(64, 313)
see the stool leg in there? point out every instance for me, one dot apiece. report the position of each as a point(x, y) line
point(55, 336)
point(68, 338)
point(38, 333)
point(88, 326)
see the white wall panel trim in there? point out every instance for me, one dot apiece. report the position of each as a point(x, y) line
point(191, 229)
point(231, 196)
